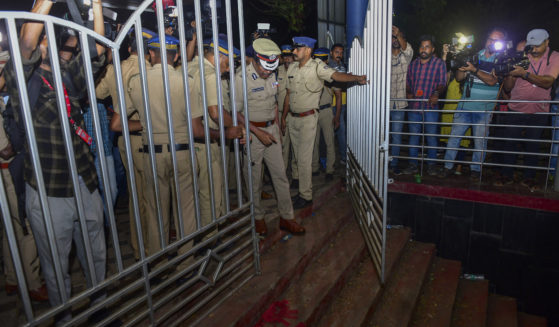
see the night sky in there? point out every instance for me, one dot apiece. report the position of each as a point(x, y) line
point(441, 18)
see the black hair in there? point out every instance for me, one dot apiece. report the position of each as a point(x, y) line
point(336, 45)
point(427, 37)
point(498, 29)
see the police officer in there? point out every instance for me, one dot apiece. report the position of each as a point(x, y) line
point(22, 231)
point(305, 80)
point(287, 59)
point(262, 89)
point(210, 80)
point(162, 148)
point(107, 87)
point(325, 119)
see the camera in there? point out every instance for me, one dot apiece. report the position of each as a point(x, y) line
point(263, 31)
point(506, 61)
point(461, 52)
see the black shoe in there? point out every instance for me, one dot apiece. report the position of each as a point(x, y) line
point(316, 173)
point(300, 203)
point(329, 177)
point(295, 184)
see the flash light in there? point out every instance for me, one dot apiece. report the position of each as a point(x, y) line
point(498, 46)
point(463, 40)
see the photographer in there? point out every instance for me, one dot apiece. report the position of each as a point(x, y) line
point(51, 146)
point(480, 84)
point(531, 84)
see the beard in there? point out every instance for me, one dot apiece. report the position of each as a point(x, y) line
point(425, 55)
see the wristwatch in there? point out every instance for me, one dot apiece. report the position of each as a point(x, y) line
point(526, 75)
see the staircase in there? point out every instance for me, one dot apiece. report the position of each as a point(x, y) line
point(326, 278)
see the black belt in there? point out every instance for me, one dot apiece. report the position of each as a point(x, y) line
point(324, 106)
point(158, 148)
point(137, 133)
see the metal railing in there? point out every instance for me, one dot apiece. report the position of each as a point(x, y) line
point(149, 290)
point(492, 140)
point(367, 125)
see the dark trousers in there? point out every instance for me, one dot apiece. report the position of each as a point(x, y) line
point(516, 133)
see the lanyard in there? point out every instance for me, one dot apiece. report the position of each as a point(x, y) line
point(537, 72)
point(77, 129)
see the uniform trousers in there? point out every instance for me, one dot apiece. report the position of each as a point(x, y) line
point(204, 182)
point(325, 118)
point(272, 156)
point(138, 167)
point(302, 131)
point(25, 243)
point(168, 200)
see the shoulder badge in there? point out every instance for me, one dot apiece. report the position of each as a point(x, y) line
point(254, 76)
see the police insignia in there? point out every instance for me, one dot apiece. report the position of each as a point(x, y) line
point(258, 89)
point(272, 57)
point(275, 84)
point(254, 76)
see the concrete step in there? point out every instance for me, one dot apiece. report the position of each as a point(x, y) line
point(363, 289)
point(282, 264)
point(501, 311)
point(528, 320)
point(324, 277)
point(399, 298)
point(434, 308)
point(470, 307)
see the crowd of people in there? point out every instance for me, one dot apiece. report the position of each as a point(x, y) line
point(294, 95)
point(424, 80)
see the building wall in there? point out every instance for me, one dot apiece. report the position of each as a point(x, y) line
point(331, 17)
point(516, 249)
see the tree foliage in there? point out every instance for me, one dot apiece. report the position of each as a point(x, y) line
point(291, 11)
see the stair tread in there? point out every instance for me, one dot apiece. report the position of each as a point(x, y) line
point(501, 311)
point(325, 275)
point(470, 307)
point(398, 301)
point(280, 265)
point(361, 292)
point(436, 300)
point(528, 320)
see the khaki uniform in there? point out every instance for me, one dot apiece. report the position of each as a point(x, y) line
point(325, 118)
point(285, 140)
point(201, 155)
point(261, 94)
point(25, 243)
point(305, 86)
point(164, 163)
point(107, 87)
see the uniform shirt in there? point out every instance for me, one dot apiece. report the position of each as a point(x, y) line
point(282, 86)
point(326, 96)
point(398, 73)
point(524, 90)
point(157, 106)
point(479, 90)
point(107, 85)
point(305, 84)
point(197, 103)
point(424, 79)
point(261, 94)
point(48, 127)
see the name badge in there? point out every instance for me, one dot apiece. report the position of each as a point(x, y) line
point(258, 89)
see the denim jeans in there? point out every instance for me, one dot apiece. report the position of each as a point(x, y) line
point(341, 132)
point(478, 121)
point(555, 137)
point(396, 126)
point(419, 127)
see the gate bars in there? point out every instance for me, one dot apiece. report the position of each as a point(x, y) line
point(223, 262)
point(368, 121)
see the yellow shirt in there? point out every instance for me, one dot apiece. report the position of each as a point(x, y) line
point(305, 84)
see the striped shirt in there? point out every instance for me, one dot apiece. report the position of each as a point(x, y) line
point(479, 90)
point(424, 79)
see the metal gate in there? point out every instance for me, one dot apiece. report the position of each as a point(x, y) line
point(368, 128)
point(150, 290)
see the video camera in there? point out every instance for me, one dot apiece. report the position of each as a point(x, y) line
point(461, 52)
point(506, 61)
point(263, 31)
